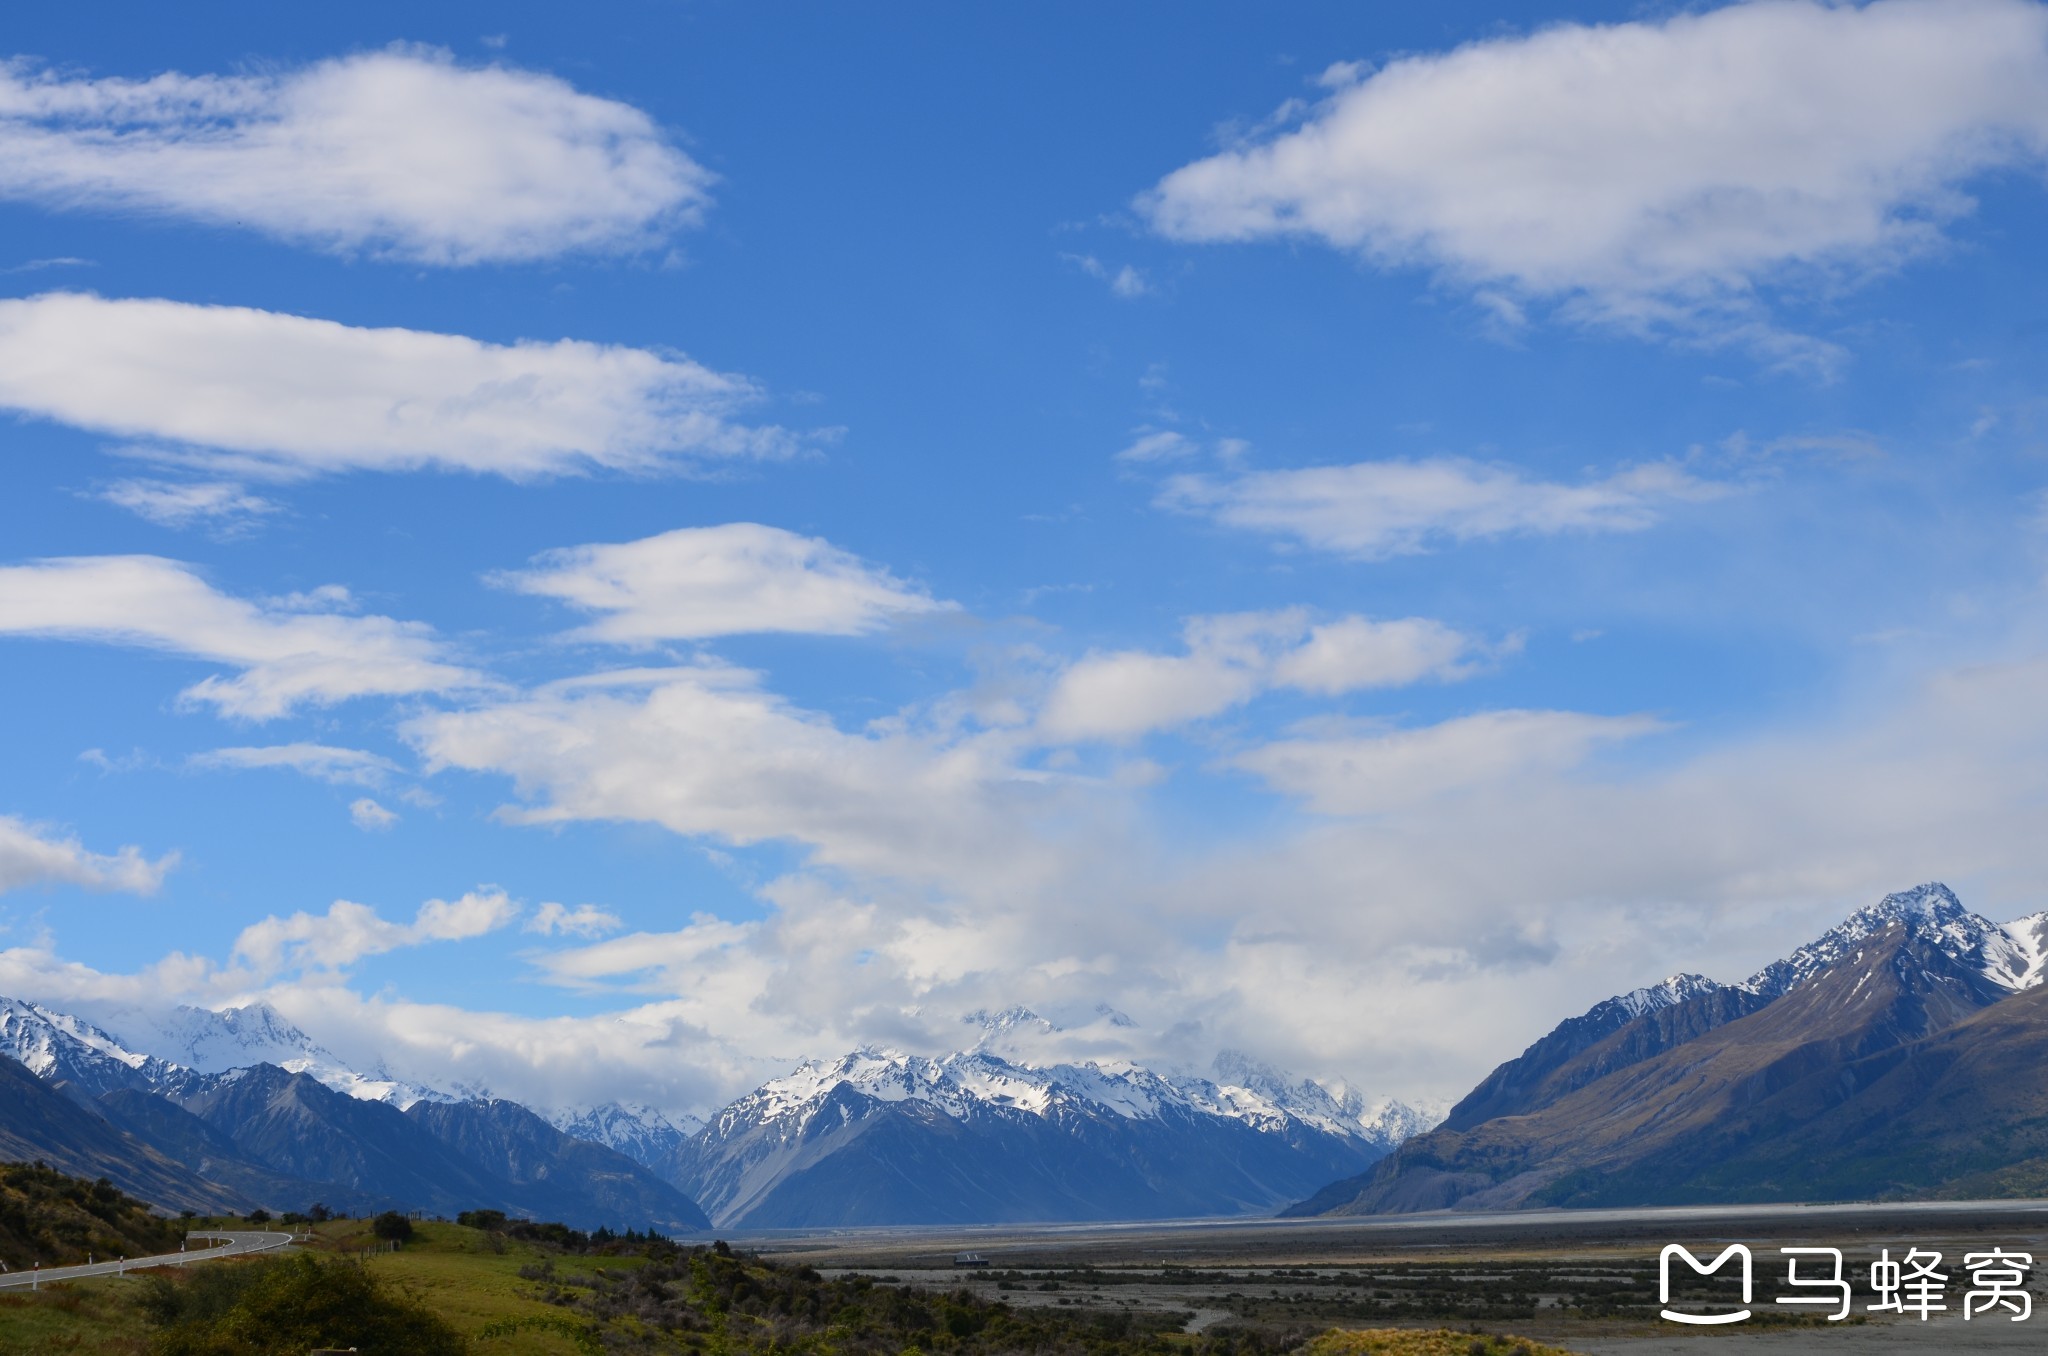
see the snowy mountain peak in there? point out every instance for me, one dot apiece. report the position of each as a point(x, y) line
point(1931, 913)
point(1340, 1110)
point(162, 1048)
point(1656, 997)
point(643, 1134)
point(209, 1041)
point(61, 1047)
point(1010, 1022)
point(954, 1083)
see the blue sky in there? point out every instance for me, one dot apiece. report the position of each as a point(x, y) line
point(1349, 533)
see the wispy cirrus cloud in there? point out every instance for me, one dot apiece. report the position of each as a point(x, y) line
point(1651, 174)
point(733, 579)
point(37, 855)
point(1371, 510)
point(289, 652)
point(402, 153)
point(325, 762)
point(224, 506)
point(266, 394)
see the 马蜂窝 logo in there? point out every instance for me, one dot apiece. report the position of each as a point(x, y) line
point(1911, 1286)
point(1672, 1250)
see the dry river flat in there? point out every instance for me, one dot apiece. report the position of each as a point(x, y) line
point(1582, 1279)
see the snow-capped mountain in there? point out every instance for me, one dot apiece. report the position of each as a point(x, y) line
point(968, 1080)
point(2009, 956)
point(1011, 1027)
point(879, 1136)
point(259, 1114)
point(1685, 1006)
point(203, 1041)
point(1655, 997)
point(1895, 1056)
point(641, 1133)
point(61, 1048)
point(1342, 1110)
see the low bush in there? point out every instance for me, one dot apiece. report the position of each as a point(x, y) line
point(286, 1306)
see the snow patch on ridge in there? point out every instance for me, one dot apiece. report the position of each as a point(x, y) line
point(2030, 940)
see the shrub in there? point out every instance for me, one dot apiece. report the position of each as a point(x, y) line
point(392, 1227)
point(291, 1305)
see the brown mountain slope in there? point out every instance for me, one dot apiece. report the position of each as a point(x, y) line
point(1963, 1113)
point(1673, 1127)
point(1569, 1058)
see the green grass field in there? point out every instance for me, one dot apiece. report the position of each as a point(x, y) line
point(467, 1276)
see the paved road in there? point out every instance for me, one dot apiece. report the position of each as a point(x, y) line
point(227, 1245)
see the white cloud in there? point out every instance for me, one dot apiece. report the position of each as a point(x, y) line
point(1375, 509)
point(353, 767)
point(737, 578)
point(348, 931)
point(1345, 773)
point(585, 920)
point(1656, 172)
point(219, 504)
point(367, 815)
point(33, 856)
point(705, 752)
point(260, 393)
point(401, 153)
point(1357, 652)
point(1231, 659)
point(1533, 883)
point(287, 657)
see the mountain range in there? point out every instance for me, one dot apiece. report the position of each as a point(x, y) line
point(285, 1135)
point(254, 1112)
point(882, 1137)
point(1895, 1056)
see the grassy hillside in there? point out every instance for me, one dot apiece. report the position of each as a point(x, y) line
point(48, 1217)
